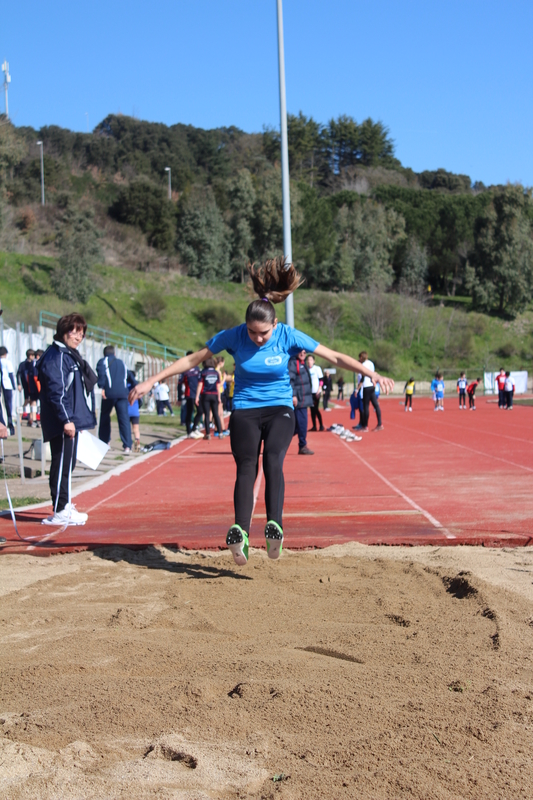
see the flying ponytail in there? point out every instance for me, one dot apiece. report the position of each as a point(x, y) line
point(273, 281)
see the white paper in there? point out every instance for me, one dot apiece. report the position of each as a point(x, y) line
point(90, 450)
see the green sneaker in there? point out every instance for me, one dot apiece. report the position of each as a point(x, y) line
point(274, 539)
point(237, 541)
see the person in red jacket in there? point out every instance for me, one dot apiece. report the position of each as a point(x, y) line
point(500, 382)
point(471, 392)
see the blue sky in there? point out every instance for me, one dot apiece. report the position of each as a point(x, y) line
point(451, 80)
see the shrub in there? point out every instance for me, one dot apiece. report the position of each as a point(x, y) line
point(218, 318)
point(151, 304)
point(507, 350)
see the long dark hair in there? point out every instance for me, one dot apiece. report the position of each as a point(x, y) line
point(273, 281)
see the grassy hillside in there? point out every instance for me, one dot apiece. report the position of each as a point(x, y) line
point(409, 338)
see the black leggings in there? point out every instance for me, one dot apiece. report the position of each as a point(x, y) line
point(249, 427)
point(316, 416)
point(208, 403)
point(369, 396)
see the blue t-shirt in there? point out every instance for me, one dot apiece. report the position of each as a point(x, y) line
point(261, 373)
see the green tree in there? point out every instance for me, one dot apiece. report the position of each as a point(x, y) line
point(144, 205)
point(79, 250)
point(413, 280)
point(242, 198)
point(501, 276)
point(367, 237)
point(203, 237)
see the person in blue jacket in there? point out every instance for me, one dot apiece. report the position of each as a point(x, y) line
point(263, 405)
point(67, 407)
point(113, 380)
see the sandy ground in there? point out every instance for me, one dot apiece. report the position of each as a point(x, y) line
point(357, 672)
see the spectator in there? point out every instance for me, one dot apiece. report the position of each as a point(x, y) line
point(190, 385)
point(471, 392)
point(67, 407)
point(134, 413)
point(369, 396)
point(462, 383)
point(327, 388)
point(509, 391)
point(230, 383)
point(207, 396)
point(162, 398)
point(113, 380)
point(340, 388)
point(219, 366)
point(437, 388)
point(500, 382)
point(7, 379)
point(409, 390)
point(316, 388)
point(26, 375)
point(302, 399)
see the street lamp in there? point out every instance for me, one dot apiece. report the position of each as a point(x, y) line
point(285, 186)
point(167, 169)
point(42, 173)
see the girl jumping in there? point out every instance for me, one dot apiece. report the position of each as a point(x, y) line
point(263, 401)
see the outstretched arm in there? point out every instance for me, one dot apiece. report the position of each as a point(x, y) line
point(181, 365)
point(347, 362)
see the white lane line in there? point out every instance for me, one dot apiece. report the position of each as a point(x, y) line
point(407, 499)
point(464, 447)
point(484, 433)
point(143, 476)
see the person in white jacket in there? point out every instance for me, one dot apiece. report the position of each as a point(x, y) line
point(8, 387)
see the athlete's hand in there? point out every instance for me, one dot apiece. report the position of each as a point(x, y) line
point(140, 390)
point(387, 384)
point(295, 401)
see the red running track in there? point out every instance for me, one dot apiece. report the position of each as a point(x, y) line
point(456, 477)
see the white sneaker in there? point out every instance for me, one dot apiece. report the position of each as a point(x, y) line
point(69, 516)
point(351, 437)
point(344, 435)
point(338, 430)
point(195, 434)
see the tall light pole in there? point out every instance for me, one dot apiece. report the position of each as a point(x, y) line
point(285, 186)
point(7, 81)
point(167, 169)
point(42, 173)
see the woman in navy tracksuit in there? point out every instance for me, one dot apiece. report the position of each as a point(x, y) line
point(67, 407)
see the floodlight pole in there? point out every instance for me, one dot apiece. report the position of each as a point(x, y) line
point(167, 169)
point(285, 186)
point(42, 173)
point(7, 81)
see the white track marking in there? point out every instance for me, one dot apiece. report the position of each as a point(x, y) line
point(142, 477)
point(465, 447)
point(407, 499)
point(441, 421)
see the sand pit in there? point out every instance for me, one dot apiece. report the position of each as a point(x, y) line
point(357, 672)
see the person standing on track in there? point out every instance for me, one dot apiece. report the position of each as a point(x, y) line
point(67, 407)
point(369, 395)
point(302, 399)
point(7, 381)
point(462, 383)
point(509, 391)
point(317, 379)
point(500, 382)
point(263, 408)
point(208, 395)
point(409, 390)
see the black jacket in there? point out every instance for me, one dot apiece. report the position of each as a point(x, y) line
point(300, 382)
point(63, 395)
point(26, 375)
point(112, 377)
